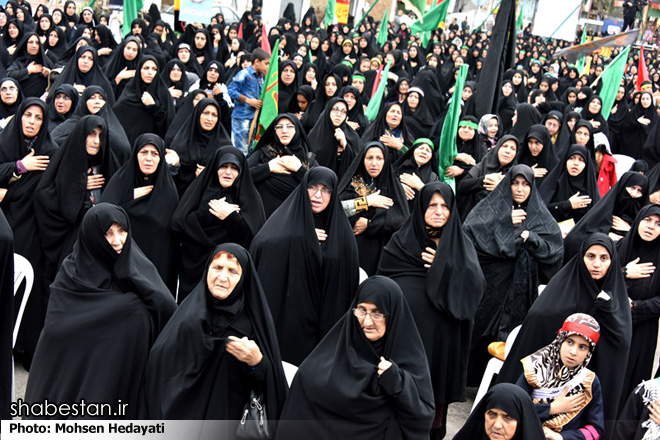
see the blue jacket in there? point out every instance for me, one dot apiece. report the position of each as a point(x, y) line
point(247, 83)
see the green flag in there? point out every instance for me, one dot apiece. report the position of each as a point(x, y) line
point(447, 150)
point(374, 102)
point(365, 15)
point(269, 95)
point(580, 62)
point(611, 79)
point(519, 20)
point(382, 32)
point(329, 13)
point(131, 10)
point(433, 19)
point(478, 28)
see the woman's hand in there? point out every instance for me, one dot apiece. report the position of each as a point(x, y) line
point(636, 270)
point(492, 180)
point(35, 163)
point(147, 99)
point(614, 109)
point(80, 88)
point(578, 201)
point(566, 404)
point(245, 350)
point(341, 138)
point(551, 435)
point(383, 365)
point(221, 208)
point(453, 171)
point(375, 200)
point(412, 180)
point(104, 51)
point(3, 193)
point(518, 216)
point(654, 411)
point(354, 125)
point(11, 49)
point(217, 89)
point(291, 163)
point(410, 193)
point(524, 235)
point(277, 166)
point(620, 224)
point(595, 123)
point(539, 172)
point(428, 256)
point(644, 121)
point(466, 158)
point(360, 226)
point(95, 181)
point(171, 158)
point(321, 234)
point(142, 191)
point(391, 142)
point(176, 93)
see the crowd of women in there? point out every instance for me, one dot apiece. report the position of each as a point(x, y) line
point(175, 274)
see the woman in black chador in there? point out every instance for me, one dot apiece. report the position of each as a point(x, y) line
point(107, 306)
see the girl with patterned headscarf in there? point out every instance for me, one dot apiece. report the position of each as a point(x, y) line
point(566, 394)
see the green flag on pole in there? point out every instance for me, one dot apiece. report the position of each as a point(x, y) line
point(269, 95)
point(611, 79)
point(131, 10)
point(433, 19)
point(365, 15)
point(374, 102)
point(519, 20)
point(382, 32)
point(580, 62)
point(329, 14)
point(447, 150)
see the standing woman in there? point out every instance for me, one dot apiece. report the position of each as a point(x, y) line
point(368, 378)
point(220, 206)
point(370, 175)
point(416, 168)
point(30, 66)
point(122, 65)
point(431, 287)
point(638, 124)
point(85, 70)
point(591, 112)
point(144, 188)
point(176, 80)
point(107, 306)
point(390, 129)
point(538, 152)
point(145, 106)
point(329, 89)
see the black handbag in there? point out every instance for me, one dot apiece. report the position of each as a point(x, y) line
point(254, 423)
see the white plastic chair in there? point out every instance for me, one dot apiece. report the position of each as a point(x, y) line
point(290, 371)
point(22, 271)
point(623, 164)
point(494, 366)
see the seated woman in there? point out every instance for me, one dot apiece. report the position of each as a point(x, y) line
point(280, 160)
point(371, 175)
point(417, 167)
point(538, 152)
point(389, 128)
point(307, 260)
point(365, 379)
point(567, 396)
point(570, 190)
point(229, 348)
point(107, 306)
point(640, 418)
point(505, 412)
point(221, 205)
point(431, 286)
point(597, 288)
point(144, 188)
point(518, 244)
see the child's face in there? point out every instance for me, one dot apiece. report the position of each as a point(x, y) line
point(261, 66)
point(574, 350)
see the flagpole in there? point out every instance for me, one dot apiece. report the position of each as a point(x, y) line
point(562, 23)
point(365, 14)
point(252, 131)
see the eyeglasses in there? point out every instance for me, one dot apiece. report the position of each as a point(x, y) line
point(8, 89)
point(375, 316)
point(314, 190)
point(285, 127)
point(338, 111)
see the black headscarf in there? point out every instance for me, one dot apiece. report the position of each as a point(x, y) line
point(547, 158)
point(427, 80)
point(528, 115)
point(506, 107)
point(182, 84)
point(379, 127)
point(318, 105)
point(150, 214)
point(339, 379)
point(356, 114)
point(10, 109)
point(420, 121)
point(105, 311)
point(55, 118)
point(118, 62)
point(183, 112)
point(309, 284)
point(287, 93)
point(515, 402)
point(598, 117)
point(95, 77)
point(33, 84)
point(633, 133)
point(408, 164)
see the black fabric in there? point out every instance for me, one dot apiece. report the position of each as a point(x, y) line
point(326, 146)
point(190, 375)
point(316, 108)
point(617, 202)
point(183, 112)
point(118, 62)
point(135, 117)
point(10, 109)
point(598, 117)
point(431, 292)
point(380, 127)
point(408, 164)
point(635, 134)
point(55, 118)
point(527, 115)
point(309, 284)
point(18, 208)
point(514, 401)
point(105, 311)
point(32, 84)
point(7, 316)
point(182, 85)
point(547, 158)
point(356, 114)
point(150, 215)
point(287, 93)
point(194, 145)
point(506, 107)
point(418, 122)
point(337, 393)
point(199, 230)
point(557, 302)
point(427, 80)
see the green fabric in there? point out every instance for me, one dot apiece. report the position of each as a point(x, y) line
point(269, 94)
point(468, 124)
point(377, 98)
point(447, 150)
point(382, 32)
point(611, 78)
point(427, 141)
point(519, 20)
point(580, 62)
point(131, 10)
point(329, 13)
point(420, 5)
point(431, 19)
point(365, 14)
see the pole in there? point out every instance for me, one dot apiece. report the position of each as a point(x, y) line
point(252, 131)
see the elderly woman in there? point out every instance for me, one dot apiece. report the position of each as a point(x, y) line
point(107, 306)
point(368, 378)
point(219, 346)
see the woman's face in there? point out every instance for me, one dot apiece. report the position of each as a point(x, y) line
point(325, 45)
point(131, 50)
point(148, 159)
point(310, 75)
point(235, 45)
point(507, 89)
point(535, 146)
point(574, 350)
point(3, 19)
point(176, 74)
point(374, 160)
point(87, 16)
point(422, 154)
point(413, 101)
point(200, 40)
point(184, 55)
point(300, 39)
point(285, 131)
point(595, 106)
point(95, 103)
point(649, 227)
point(148, 71)
point(116, 236)
point(302, 102)
point(575, 164)
point(299, 61)
point(19, 14)
point(85, 62)
point(314, 43)
point(507, 152)
point(646, 100)
point(620, 93)
point(62, 103)
point(32, 120)
point(227, 174)
point(372, 322)
point(394, 116)
point(597, 260)
point(330, 86)
point(520, 189)
point(93, 141)
point(350, 100)
point(57, 17)
point(319, 197)
point(493, 128)
point(288, 75)
point(13, 30)
point(232, 33)
point(71, 8)
point(224, 274)
point(582, 135)
point(87, 33)
point(635, 191)
point(198, 98)
point(53, 38)
point(208, 119)
point(8, 92)
point(212, 75)
point(44, 23)
point(338, 113)
point(516, 79)
point(437, 213)
point(465, 133)
point(404, 87)
point(499, 425)
point(571, 97)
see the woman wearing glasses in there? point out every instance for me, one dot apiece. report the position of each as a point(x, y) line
point(307, 260)
point(279, 161)
point(368, 378)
